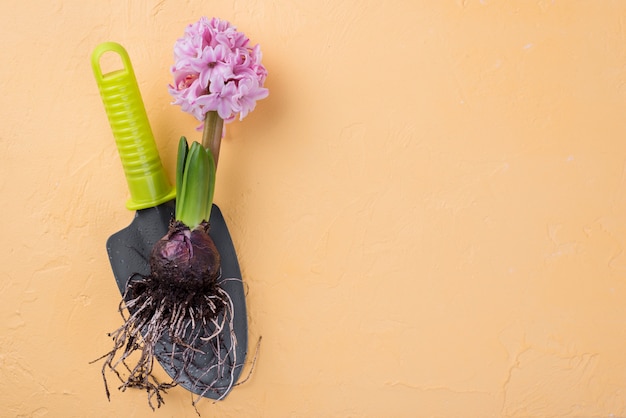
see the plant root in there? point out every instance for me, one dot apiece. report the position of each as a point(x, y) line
point(191, 333)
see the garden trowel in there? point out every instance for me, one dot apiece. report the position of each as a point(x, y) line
point(152, 197)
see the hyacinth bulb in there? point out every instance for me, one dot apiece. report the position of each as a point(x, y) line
point(185, 258)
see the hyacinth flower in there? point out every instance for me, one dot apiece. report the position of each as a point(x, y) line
point(217, 76)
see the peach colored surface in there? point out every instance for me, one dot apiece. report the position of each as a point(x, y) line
point(429, 209)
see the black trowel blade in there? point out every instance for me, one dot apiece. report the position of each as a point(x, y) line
point(129, 252)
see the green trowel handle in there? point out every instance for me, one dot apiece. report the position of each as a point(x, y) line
point(124, 107)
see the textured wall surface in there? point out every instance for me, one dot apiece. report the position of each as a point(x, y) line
point(429, 209)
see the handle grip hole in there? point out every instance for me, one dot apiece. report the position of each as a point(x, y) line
point(110, 62)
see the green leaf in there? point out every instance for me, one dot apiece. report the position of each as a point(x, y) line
point(195, 183)
point(211, 182)
point(183, 149)
point(194, 195)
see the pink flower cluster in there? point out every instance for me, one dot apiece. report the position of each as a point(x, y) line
point(215, 69)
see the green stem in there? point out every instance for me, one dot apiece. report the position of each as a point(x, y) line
point(212, 133)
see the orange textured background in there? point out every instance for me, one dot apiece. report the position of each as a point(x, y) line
point(429, 209)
